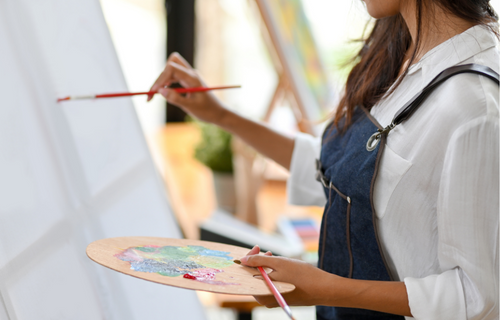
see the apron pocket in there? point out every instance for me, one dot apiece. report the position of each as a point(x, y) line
point(391, 169)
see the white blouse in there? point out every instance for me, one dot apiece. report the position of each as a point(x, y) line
point(437, 193)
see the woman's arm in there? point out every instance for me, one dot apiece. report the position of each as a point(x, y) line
point(317, 287)
point(206, 107)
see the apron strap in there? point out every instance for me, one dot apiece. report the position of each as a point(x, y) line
point(411, 106)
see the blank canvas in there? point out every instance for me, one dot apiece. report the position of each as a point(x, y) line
point(73, 172)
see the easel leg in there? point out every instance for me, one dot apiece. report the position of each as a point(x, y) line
point(279, 94)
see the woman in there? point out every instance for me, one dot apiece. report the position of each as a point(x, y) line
point(414, 233)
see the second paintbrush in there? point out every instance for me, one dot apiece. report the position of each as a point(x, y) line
point(128, 94)
point(279, 298)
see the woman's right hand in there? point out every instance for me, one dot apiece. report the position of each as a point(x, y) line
point(202, 105)
point(206, 107)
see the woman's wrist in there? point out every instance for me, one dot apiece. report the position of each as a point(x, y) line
point(231, 121)
point(223, 118)
point(341, 291)
point(384, 296)
point(329, 289)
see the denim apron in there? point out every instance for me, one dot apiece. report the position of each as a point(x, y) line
point(347, 168)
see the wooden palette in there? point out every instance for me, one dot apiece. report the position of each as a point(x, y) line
point(233, 279)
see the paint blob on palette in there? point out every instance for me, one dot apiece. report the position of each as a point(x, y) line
point(192, 262)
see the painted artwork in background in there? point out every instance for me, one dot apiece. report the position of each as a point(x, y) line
point(295, 29)
point(308, 231)
point(192, 262)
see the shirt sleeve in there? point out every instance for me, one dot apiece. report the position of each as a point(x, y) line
point(302, 187)
point(467, 228)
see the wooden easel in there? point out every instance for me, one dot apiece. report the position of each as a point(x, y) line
point(287, 89)
point(249, 170)
point(284, 92)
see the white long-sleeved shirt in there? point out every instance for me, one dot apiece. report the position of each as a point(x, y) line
point(437, 193)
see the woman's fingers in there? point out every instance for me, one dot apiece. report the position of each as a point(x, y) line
point(308, 280)
point(201, 105)
point(176, 61)
point(163, 80)
point(268, 261)
point(267, 301)
point(158, 84)
point(177, 58)
point(175, 72)
point(255, 250)
point(173, 97)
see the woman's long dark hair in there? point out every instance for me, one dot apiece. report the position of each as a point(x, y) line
point(384, 50)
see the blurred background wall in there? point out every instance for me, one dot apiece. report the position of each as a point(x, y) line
point(229, 48)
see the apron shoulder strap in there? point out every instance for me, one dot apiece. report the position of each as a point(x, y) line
point(411, 106)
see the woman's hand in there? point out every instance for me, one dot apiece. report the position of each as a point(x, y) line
point(206, 107)
point(203, 105)
point(313, 286)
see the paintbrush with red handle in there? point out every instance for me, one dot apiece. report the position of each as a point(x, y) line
point(149, 93)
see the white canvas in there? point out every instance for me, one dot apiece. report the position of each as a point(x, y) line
point(72, 172)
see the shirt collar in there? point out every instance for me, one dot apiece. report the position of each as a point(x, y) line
point(454, 51)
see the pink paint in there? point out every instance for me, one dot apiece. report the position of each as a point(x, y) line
point(131, 255)
point(207, 276)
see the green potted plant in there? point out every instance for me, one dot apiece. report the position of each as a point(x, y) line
point(214, 151)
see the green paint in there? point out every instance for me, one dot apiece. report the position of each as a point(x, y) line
point(173, 261)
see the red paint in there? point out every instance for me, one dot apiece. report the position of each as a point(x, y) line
point(188, 276)
point(207, 276)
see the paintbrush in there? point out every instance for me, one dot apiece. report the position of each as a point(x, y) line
point(149, 93)
point(274, 290)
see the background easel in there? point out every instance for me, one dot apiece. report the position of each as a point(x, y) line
point(302, 83)
point(284, 92)
point(302, 80)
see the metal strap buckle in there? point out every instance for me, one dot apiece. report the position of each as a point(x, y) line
point(374, 139)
